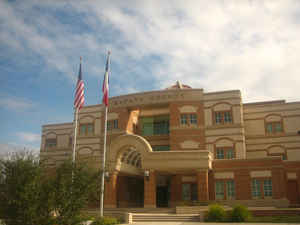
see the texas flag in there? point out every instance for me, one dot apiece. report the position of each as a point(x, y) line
point(106, 82)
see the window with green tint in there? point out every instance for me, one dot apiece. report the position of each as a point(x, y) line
point(90, 129)
point(269, 128)
point(219, 189)
point(256, 188)
point(183, 119)
point(158, 125)
point(229, 154)
point(278, 127)
point(268, 188)
point(230, 188)
point(220, 154)
point(193, 118)
point(161, 148)
point(82, 130)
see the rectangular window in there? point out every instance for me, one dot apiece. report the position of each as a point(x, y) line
point(86, 129)
point(82, 129)
point(223, 117)
point(268, 188)
point(183, 119)
point(230, 189)
point(227, 117)
point(193, 119)
point(186, 192)
point(274, 127)
point(229, 154)
point(219, 190)
point(158, 125)
point(218, 117)
point(50, 143)
point(256, 192)
point(112, 124)
point(220, 154)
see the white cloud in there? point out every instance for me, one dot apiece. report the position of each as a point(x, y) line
point(249, 45)
point(15, 103)
point(29, 137)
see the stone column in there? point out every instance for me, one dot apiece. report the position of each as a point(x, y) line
point(150, 190)
point(202, 185)
point(110, 192)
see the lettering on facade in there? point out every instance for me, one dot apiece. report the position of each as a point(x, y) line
point(149, 99)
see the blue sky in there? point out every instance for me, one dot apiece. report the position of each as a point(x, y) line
point(253, 46)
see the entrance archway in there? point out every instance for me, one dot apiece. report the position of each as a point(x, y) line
point(126, 156)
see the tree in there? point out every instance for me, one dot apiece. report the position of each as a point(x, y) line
point(24, 195)
point(72, 186)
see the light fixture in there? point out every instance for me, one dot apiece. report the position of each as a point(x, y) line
point(106, 176)
point(146, 174)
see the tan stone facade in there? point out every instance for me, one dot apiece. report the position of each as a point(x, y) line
point(193, 146)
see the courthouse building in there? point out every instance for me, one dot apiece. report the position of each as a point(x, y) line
point(183, 144)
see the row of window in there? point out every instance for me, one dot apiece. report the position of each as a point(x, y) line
point(260, 188)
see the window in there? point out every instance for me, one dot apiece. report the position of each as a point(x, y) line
point(225, 153)
point(189, 192)
point(230, 189)
point(256, 188)
point(261, 188)
point(86, 129)
point(223, 117)
point(268, 188)
point(112, 124)
point(183, 119)
point(274, 127)
point(50, 143)
point(221, 186)
point(161, 148)
point(158, 125)
point(188, 119)
point(219, 190)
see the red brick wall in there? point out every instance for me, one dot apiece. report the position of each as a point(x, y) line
point(242, 184)
point(202, 185)
point(150, 191)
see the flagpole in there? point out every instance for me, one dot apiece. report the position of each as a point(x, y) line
point(103, 164)
point(75, 136)
point(105, 101)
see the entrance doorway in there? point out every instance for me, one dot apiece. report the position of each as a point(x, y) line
point(163, 191)
point(130, 191)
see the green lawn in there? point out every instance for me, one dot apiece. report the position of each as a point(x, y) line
point(275, 219)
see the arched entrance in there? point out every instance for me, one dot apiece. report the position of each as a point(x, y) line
point(125, 162)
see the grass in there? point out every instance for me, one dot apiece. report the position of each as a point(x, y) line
point(275, 219)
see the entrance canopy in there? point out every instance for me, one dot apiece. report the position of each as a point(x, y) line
point(133, 154)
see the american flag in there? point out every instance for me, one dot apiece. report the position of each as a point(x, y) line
point(106, 82)
point(79, 95)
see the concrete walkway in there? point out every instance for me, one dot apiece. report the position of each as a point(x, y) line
point(201, 223)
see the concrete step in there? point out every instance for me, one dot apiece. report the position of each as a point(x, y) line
point(139, 217)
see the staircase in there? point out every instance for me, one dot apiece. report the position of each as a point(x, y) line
point(164, 217)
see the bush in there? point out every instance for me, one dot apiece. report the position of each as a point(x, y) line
point(239, 213)
point(216, 213)
point(105, 221)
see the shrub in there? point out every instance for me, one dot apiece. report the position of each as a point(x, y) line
point(105, 221)
point(216, 213)
point(239, 213)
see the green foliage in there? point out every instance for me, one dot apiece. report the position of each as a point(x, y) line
point(105, 221)
point(216, 213)
point(29, 197)
point(239, 213)
point(72, 185)
point(24, 194)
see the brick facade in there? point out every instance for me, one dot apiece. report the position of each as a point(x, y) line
point(191, 166)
